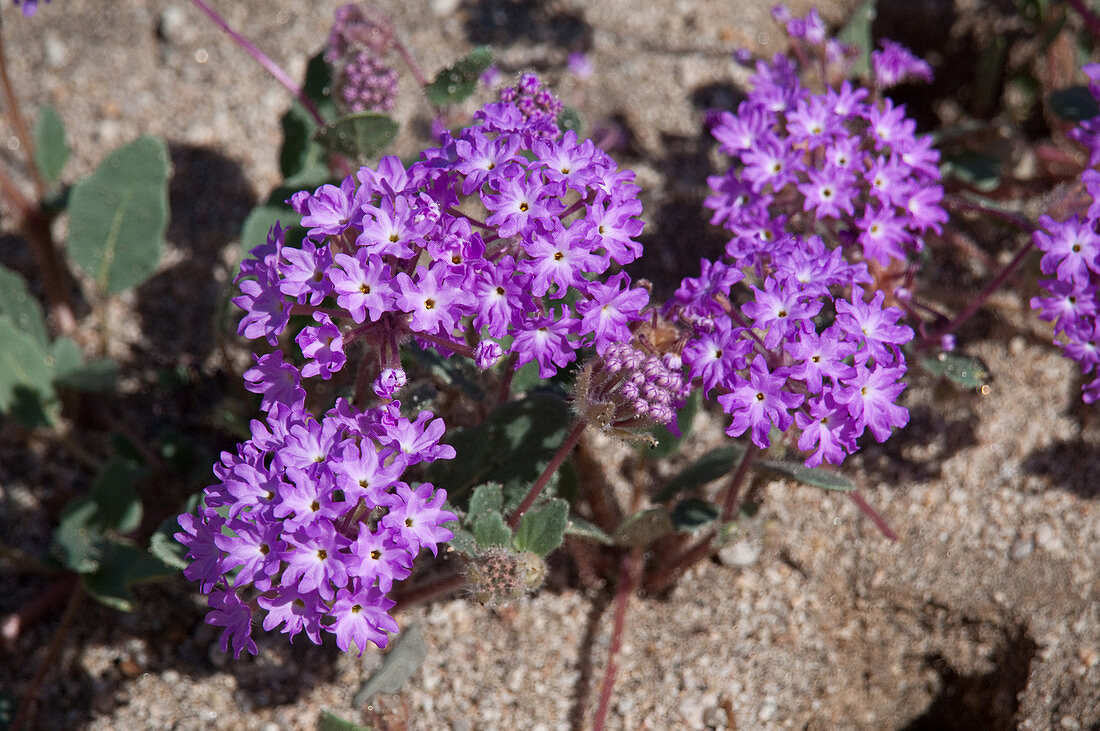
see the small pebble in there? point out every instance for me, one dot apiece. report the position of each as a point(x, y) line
point(739, 555)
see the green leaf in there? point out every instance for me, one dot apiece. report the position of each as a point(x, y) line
point(643, 528)
point(667, 442)
point(302, 161)
point(51, 151)
point(490, 529)
point(857, 32)
point(967, 371)
point(358, 137)
point(711, 466)
point(119, 214)
point(115, 496)
point(692, 514)
point(978, 169)
point(17, 303)
point(122, 565)
point(511, 447)
point(582, 528)
point(542, 528)
point(259, 222)
point(99, 376)
point(463, 542)
point(487, 498)
point(25, 366)
point(570, 119)
point(459, 80)
point(77, 541)
point(165, 547)
point(331, 722)
point(816, 476)
point(405, 656)
point(1073, 104)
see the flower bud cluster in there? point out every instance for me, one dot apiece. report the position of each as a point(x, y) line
point(499, 575)
point(358, 43)
point(1071, 261)
point(626, 388)
point(821, 185)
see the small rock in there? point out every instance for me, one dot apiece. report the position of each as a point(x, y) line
point(443, 8)
point(1021, 548)
point(739, 555)
point(767, 711)
point(715, 717)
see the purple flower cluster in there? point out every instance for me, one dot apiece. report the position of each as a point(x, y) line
point(311, 521)
point(491, 245)
point(358, 43)
point(1071, 300)
point(825, 190)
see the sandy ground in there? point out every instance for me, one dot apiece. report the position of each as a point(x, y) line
point(983, 615)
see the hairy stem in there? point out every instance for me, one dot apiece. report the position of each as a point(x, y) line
point(427, 592)
point(26, 139)
point(272, 68)
point(622, 599)
point(871, 513)
point(665, 573)
point(978, 301)
point(556, 461)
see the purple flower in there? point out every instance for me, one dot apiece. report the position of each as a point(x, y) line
point(295, 611)
point(279, 382)
point(329, 210)
point(895, 64)
point(230, 612)
point(323, 346)
point(758, 402)
point(361, 618)
point(609, 308)
point(418, 516)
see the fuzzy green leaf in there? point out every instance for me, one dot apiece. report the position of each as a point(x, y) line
point(542, 528)
point(966, 371)
point(401, 662)
point(815, 476)
point(692, 514)
point(115, 496)
point(487, 498)
point(711, 466)
point(122, 565)
point(490, 530)
point(119, 214)
point(25, 367)
point(359, 137)
point(51, 150)
point(510, 447)
point(582, 528)
point(259, 222)
point(1073, 104)
point(459, 80)
point(17, 303)
point(642, 528)
point(78, 542)
point(99, 376)
point(857, 32)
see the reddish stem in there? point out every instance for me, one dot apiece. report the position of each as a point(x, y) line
point(14, 623)
point(555, 462)
point(23, 718)
point(622, 601)
point(978, 301)
point(272, 68)
point(871, 513)
point(26, 139)
point(428, 592)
